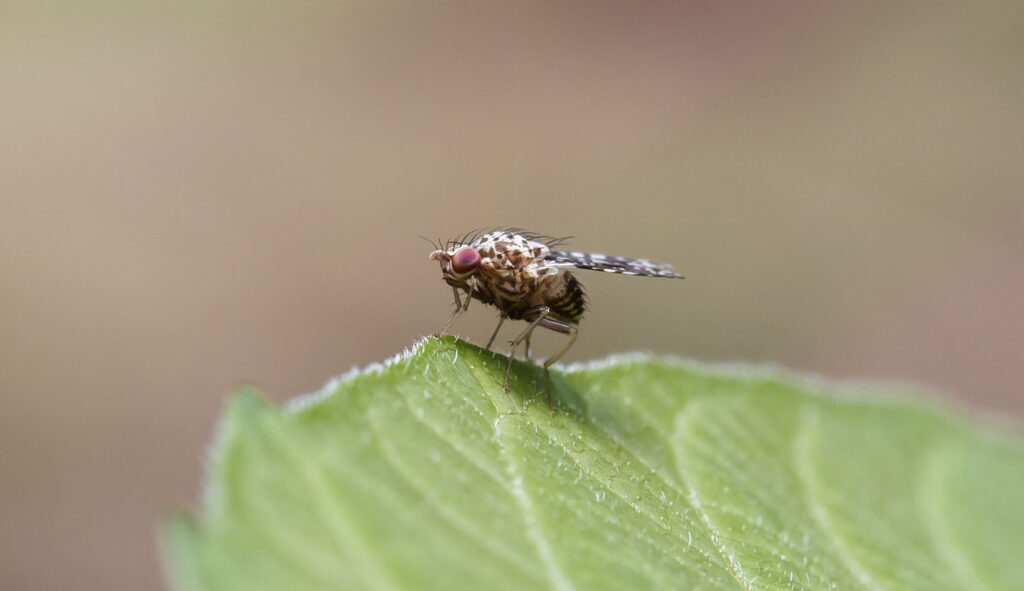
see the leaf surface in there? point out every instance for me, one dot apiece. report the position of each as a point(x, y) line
point(424, 474)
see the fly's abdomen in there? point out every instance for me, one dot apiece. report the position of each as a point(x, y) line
point(567, 302)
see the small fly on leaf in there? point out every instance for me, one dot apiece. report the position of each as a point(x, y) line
point(521, 275)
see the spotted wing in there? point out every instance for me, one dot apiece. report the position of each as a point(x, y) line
point(610, 264)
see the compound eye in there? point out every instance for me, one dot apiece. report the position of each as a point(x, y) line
point(465, 260)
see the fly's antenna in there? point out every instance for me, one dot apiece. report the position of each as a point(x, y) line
point(435, 243)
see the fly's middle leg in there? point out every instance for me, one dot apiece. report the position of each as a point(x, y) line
point(494, 334)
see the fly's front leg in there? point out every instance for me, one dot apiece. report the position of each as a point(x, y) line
point(459, 309)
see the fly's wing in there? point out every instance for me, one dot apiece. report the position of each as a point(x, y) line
point(610, 264)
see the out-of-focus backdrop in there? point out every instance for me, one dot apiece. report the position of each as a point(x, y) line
point(194, 194)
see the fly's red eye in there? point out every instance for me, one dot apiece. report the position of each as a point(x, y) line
point(465, 260)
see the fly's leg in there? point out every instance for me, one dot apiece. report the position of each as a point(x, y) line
point(459, 309)
point(490, 341)
point(564, 328)
point(542, 313)
point(455, 312)
point(543, 319)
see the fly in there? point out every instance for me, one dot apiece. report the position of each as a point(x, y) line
point(521, 275)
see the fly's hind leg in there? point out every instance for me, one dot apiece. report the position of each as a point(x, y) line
point(543, 319)
point(542, 313)
point(564, 328)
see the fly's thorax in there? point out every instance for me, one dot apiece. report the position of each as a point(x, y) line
point(504, 250)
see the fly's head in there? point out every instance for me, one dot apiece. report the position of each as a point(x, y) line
point(459, 264)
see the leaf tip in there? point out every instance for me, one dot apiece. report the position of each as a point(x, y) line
point(246, 400)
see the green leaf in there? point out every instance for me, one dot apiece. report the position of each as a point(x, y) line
point(424, 474)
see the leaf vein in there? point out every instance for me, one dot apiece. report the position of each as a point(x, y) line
point(802, 465)
point(735, 568)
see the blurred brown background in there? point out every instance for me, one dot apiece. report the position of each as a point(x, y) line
point(195, 193)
